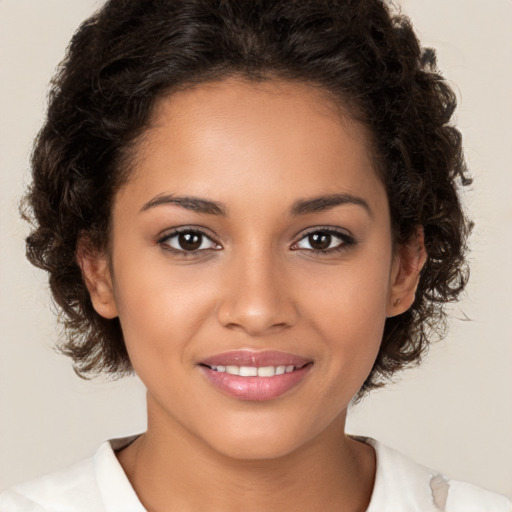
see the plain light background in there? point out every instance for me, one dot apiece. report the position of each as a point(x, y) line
point(454, 413)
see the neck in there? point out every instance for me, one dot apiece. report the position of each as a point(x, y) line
point(171, 469)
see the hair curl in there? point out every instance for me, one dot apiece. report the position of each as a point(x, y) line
point(132, 52)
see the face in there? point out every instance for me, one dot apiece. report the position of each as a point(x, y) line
point(253, 238)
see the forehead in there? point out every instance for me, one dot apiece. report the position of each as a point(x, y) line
point(263, 136)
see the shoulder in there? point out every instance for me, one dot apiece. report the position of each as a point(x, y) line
point(96, 484)
point(71, 489)
point(402, 485)
point(463, 496)
point(62, 490)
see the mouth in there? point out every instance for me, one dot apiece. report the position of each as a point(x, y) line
point(255, 376)
point(254, 371)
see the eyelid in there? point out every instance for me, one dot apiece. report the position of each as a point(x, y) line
point(346, 237)
point(172, 232)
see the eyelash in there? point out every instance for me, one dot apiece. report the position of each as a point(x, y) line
point(346, 241)
point(163, 241)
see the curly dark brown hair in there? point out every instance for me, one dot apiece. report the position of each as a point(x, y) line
point(133, 52)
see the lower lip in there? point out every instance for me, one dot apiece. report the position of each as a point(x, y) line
point(257, 389)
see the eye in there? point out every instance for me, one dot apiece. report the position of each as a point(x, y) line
point(188, 241)
point(324, 240)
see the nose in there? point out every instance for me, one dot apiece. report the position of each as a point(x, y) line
point(257, 297)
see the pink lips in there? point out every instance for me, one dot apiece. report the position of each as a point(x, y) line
point(255, 388)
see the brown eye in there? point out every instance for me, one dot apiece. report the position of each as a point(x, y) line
point(320, 241)
point(190, 241)
point(324, 240)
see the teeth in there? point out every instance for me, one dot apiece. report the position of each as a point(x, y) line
point(248, 371)
point(266, 371)
point(253, 371)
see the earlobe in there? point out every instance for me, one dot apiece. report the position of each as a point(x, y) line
point(409, 261)
point(97, 277)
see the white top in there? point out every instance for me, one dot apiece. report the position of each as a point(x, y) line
point(99, 484)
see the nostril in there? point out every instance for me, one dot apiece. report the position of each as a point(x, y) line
point(256, 326)
point(256, 309)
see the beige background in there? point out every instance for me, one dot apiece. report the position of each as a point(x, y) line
point(454, 413)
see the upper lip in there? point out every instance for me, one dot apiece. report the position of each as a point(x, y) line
point(256, 359)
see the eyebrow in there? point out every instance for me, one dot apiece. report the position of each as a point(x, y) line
point(300, 207)
point(323, 203)
point(195, 204)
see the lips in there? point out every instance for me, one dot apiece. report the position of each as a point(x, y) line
point(255, 376)
point(257, 359)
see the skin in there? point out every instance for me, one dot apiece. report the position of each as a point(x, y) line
point(259, 284)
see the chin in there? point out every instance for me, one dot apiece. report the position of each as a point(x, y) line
point(262, 449)
point(264, 440)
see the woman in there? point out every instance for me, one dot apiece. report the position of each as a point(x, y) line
point(253, 206)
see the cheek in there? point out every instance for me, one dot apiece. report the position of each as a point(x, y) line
point(349, 312)
point(160, 308)
point(352, 296)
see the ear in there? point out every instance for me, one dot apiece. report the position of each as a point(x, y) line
point(97, 276)
point(405, 274)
